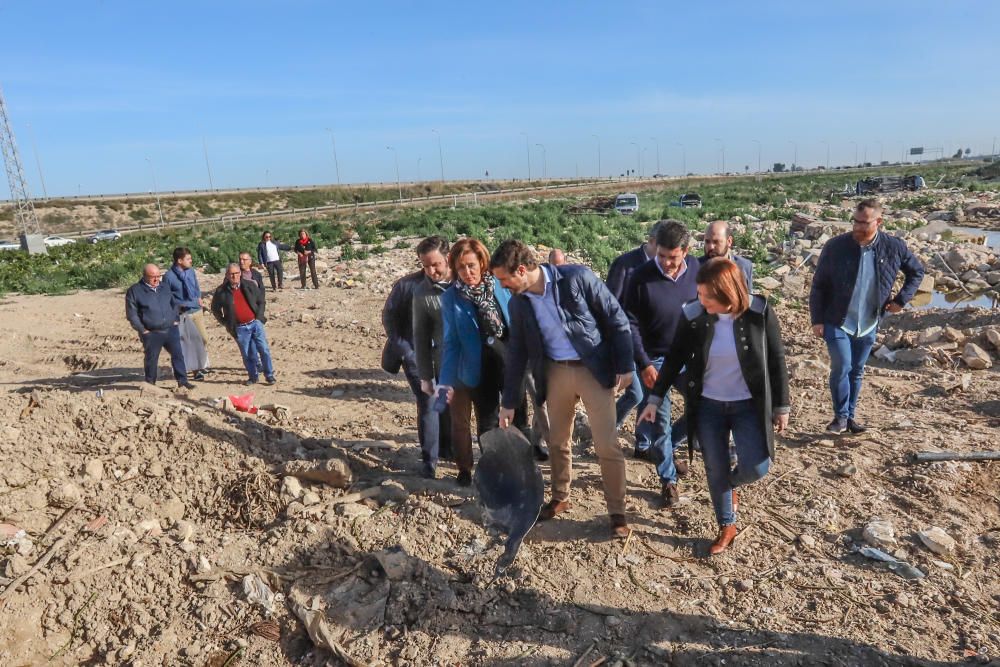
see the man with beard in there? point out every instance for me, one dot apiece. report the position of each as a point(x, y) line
point(719, 243)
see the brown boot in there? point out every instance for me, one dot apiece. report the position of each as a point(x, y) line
point(726, 536)
point(619, 527)
point(668, 491)
point(553, 508)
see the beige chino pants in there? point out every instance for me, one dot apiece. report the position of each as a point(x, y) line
point(568, 383)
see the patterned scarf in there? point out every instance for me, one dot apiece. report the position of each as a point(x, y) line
point(487, 311)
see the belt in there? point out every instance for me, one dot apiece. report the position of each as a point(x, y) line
point(566, 362)
point(246, 324)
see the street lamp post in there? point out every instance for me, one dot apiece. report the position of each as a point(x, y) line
point(208, 166)
point(757, 141)
point(440, 154)
point(824, 141)
point(722, 149)
point(795, 154)
point(336, 162)
point(38, 161)
point(855, 152)
point(545, 162)
point(395, 157)
point(598, 155)
point(636, 153)
point(156, 190)
point(657, 154)
point(527, 149)
point(684, 168)
point(880, 157)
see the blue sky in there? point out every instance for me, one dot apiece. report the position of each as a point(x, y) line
point(99, 87)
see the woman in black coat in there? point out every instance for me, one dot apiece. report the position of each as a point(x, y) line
point(737, 384)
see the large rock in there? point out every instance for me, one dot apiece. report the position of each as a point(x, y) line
point(937, 540)
point(880, 534)
point(993, 336)
point(332, 471)
point(930, 335)
point(768, 283)
point(976, 357)
point(947, 216)
point(962, 258)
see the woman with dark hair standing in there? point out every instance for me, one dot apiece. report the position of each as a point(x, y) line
point(476, 325)
point(269, 257)
point(737, 384)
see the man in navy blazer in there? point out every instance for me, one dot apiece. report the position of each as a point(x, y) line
point(570, 330)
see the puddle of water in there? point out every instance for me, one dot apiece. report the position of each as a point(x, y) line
point(950, 300)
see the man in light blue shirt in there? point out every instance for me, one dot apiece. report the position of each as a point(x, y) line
point(557, 344)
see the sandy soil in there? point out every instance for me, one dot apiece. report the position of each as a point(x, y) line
point(147, 509)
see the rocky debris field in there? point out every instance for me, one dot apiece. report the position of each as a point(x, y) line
point(146, 526)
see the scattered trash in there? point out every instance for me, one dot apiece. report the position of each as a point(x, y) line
point(257, 591)
point(243, 403)
point(903, 569)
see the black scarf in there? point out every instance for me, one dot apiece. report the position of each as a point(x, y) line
point(487, 310)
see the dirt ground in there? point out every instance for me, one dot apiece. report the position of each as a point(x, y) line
point(166, 534)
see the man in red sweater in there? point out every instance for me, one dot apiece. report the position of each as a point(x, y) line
point(238, 305)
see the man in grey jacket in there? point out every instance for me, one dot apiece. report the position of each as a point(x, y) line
point(153, 312)
point(428, 338)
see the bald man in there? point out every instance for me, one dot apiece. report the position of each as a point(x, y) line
point(719, 243)
point(154, 313)
point(557, 257)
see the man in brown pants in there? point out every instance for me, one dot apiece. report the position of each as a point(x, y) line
point(568, 326)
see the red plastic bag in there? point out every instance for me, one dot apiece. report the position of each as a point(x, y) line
point(244, 403)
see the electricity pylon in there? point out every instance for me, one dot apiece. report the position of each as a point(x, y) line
point(24, 210)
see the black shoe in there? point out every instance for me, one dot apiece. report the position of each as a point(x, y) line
point(428, 471)
point(199, 376)
point(837, 426)
point(855, 427)
point(642, 454)
point(185, 385)
point(541, 453)
point(668, 492)
point(464, 478)
point(271, 380)
point(250, 383)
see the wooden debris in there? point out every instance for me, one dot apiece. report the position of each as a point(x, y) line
point(928, 457)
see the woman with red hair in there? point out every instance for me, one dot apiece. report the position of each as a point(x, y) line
point(476, 325)
point(737, 385)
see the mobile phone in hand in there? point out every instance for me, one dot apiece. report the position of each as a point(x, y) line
point(441, 402)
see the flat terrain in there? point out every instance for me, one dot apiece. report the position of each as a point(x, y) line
point(154, 506)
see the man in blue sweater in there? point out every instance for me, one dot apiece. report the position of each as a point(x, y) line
point(151, 310)
point(618, 274)
point(851, 290)
point(654, 298)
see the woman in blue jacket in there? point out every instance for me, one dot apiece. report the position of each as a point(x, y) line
point(476, 325)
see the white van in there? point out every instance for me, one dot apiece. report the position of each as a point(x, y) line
point(627, 203)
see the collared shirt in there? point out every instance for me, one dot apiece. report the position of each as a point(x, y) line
point(684, 268)
point(862, 312)
point(150, 286)
point(723, 379)
point(271, 251)
point(557, 344)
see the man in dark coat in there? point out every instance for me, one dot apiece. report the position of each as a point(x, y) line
point(568, 328)
point(238, 305)
point(250, 273)
point(154, 313)
point(851, 289)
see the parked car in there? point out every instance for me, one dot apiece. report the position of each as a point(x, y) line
point(689, 200)
point(56, 241)
point(627, 203)
point(10, 245)
point(106, 235)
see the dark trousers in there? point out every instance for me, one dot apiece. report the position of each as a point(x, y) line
point(274, 270)
point(485, 400)
point(312, 269)
point(433, 428)
point(155, 341)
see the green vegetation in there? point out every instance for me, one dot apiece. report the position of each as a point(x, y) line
point(598, 238)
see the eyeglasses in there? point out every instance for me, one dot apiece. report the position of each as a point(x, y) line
point(233, 273)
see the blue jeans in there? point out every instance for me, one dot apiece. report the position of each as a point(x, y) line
point(631, 398)
point(253, 344)
point(848, 355)
point(716, 420)
point(433, 428)
point(152, 343)
point(660, 435)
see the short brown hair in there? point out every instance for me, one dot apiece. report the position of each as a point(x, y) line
point(872, 204)
point(511, 254)
point(725, 283)
point(474, 246)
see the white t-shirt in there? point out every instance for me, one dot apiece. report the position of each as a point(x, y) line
point(723, 379)
point(270, 251)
